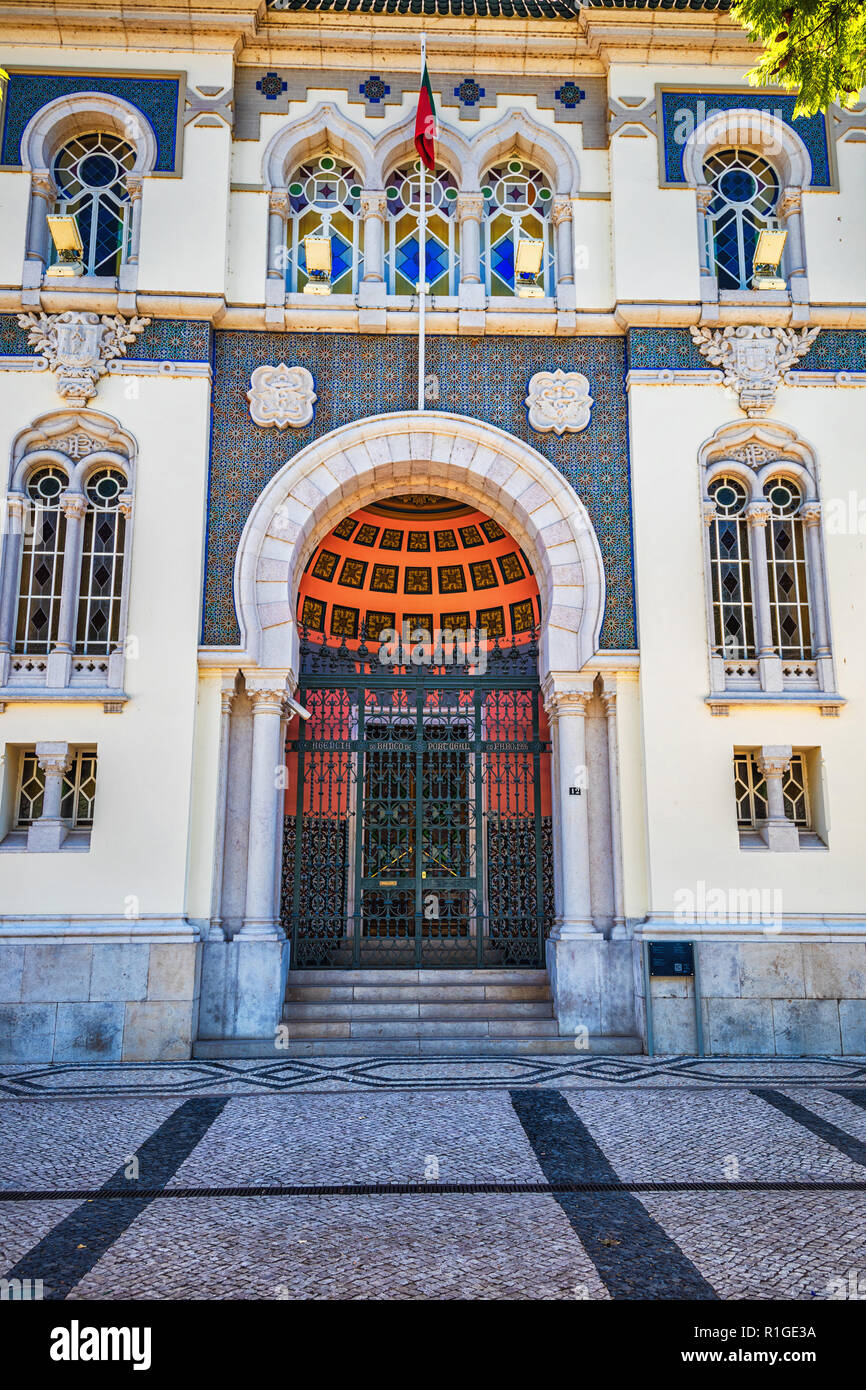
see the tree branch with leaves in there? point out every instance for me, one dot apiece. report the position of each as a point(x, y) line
point(817, 46)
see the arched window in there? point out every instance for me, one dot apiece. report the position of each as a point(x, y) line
point(730, 570)
point(101, 587)
point(64, 574)
point(517, 205)
point(90, 175)
point(324, 201)
point(41, 563)
point(402, 254)
point(766, 591)
point(744, 194)
point(787, 571)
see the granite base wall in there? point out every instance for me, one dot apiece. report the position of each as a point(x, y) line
point(64, 1001)
point(767, 999)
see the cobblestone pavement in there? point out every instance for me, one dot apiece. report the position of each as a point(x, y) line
point(749, 1185)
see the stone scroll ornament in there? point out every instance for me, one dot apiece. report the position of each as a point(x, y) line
point(79, 346)
point(753, 359)
point(282, 396)
point(558, 401)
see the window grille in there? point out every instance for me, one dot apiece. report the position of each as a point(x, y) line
point(745, 192)
point(517, 205)
point(42, 563)
point(324, 201)
point(90, 174)
point(786, 571)
point(100, 591)
point(751, 792)
point(730, 569)
point(79, 790)
point(402, 257)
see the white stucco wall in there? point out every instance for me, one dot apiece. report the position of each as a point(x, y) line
point(141, 827)
point(690, 809)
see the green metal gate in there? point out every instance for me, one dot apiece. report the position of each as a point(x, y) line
point(422, 797)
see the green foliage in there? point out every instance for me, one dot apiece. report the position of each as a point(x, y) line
point(818, 46)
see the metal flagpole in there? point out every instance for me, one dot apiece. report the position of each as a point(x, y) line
point(422, 256)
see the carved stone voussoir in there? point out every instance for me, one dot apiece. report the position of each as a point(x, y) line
point(282, 396)
point(753, 359)
point(558, 401)
point(79, 346)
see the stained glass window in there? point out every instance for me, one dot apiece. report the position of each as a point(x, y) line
point(402, 255)
point(517, 204)
point(100, 591)
point(731, 580)
point(786, 571)
point(325, 201)
point(745, 191)
point(42, 563)
point(90, 173)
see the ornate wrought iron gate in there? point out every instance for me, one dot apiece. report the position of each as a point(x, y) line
point(422, 797)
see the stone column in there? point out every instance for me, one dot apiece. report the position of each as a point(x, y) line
point(769, 664)
point(810, 514)
point(562, 218)
point(16, 513)
point(60, 657)
point(43, 196)
point(778, 831)
point(227, 697)
point(275, 285)
point(704, 195)
point(128, 276)
point(566, 711)
point(472, 296)
point(47, 834)
point(608, 699)
point(372, 289)
point(260, 908)
point(789, 211)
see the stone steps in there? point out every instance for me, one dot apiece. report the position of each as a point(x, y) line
point(461, 1009)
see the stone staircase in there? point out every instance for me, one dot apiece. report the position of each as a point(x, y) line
point(425, 1012)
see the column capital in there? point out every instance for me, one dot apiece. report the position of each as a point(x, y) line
point(608, 700)
point(704, 196)
point(559, 702)
point(758, 513)
point(74, 504)
point(791, 200)
point(278, 202)
point(774, 759)
point(43, 185)
point(16, 506)
point(124, 504)
point(374, 202)
point(810, 513)
point(53, 757)
point(134, 184)
point(562, 209)
point(709, 512)
point(470, 205)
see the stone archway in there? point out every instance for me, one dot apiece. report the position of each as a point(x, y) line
point(414, 452)
point(360, 463)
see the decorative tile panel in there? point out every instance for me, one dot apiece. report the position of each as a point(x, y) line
point(368, 374)
point(157, 98)
point(672, 349)
point(683, 112)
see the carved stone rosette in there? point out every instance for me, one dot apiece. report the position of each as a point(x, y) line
point(282, 396)
point(558, 401)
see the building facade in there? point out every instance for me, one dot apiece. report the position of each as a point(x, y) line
point(236, 748)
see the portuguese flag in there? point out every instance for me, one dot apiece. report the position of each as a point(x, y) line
point(425, 123)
